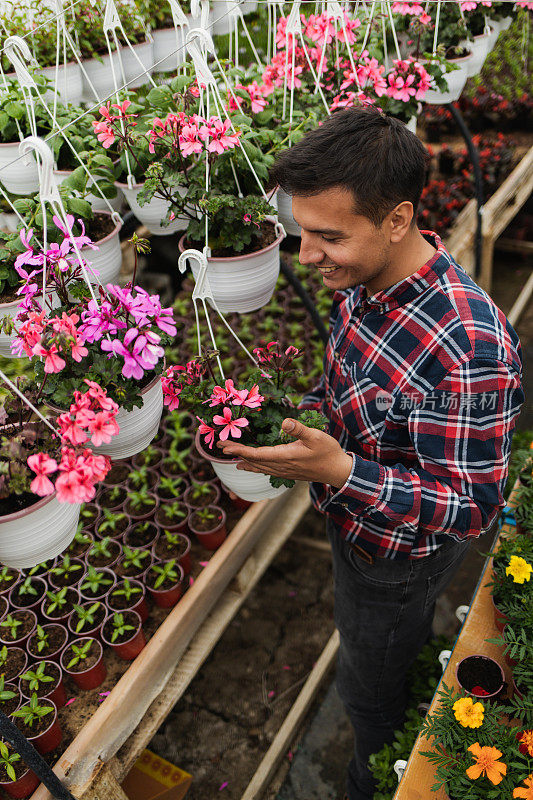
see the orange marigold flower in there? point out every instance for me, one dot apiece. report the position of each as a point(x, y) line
point(526, 742)
point(486, 763)
point(527, 793)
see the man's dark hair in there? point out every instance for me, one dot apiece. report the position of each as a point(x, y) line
point(374, 156)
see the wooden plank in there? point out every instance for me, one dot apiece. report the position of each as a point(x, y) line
point(322, 545)
point(514, 246)
point(123, 709)
point(509, 198)
point(479, 625)
point(212, 629)
point(521, 302)
point(293, 720)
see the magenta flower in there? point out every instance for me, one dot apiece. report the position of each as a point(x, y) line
point(232, 427)
point(42, 465)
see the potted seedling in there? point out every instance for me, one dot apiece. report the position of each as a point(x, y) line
point(178, 462)
point(67, 572)
point(96, 583)
point(104, 553)
point(41, 569)
point(142, 478)
point(17, 627)
point(47, 641)
point(209, 526)
point(89, 513)
point(28, 593)
point(9, 697)
point(129, 595)
point(174, 546)
point(46, 681)
point(165, 583)
point(141, 504)
point(81, 543)
point(113, 523)
point(87, 619)
point(123, 632)
point(38, 723)
point(172, 488)
point(13, 661)
point(199, 495)
point(16, 779)
point(149, 457)
point(8, 579)
point(113, 497)
point(142, 534)
point(173, 516)
point(134, 562)
point(202, 471)
point(83, 660)
point(56, 606)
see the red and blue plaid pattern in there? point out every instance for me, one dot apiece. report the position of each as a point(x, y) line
point(422, 386)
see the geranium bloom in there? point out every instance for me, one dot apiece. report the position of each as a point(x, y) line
point(221, 140)
point(52, 361)
point(407, 8)
point(232, 427)
point(519, 569)
point(42, 465)
point(248, 398)
point(527, 792)
point(75, 486)
point(487, 763)
point(468, 5)
point(207, 432)
point(525, 739)
point(219, 396)
point(72, 429)
point(102, 428)
point(468, 713)
point(104, 134)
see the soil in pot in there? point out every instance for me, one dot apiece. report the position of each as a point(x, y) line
point(117, 474)
point(129, 643)
point(28, 622)
point(101, 560)
point(136, 565)
point(113, 523)
point(57, 638)
point(89, 628)
point(44, 733)
point(17, 502)
point(45, 688)
point(89, 513)
point(80, 544)
point(209, 532)
point(479, 676)
point(24, 784)
point(203, 471)
point(172, 515)
point(4, 605)
point(28, 593)
point(268, 236)
point(15, 663)
point(100, 226)
point(118, 599)
point(201, 495)
point(149, 457)
point(172, 488)
point(8, 706)
point(169, 591)
point(175, 545)
point(141, 510)
point(142, 534)
point(96, 583)
point(68, 572)
point(89, 672)
point(113, 497)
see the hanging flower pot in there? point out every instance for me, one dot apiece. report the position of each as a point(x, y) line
point(284, 202)
point(243, 283)
point(123, 632)
point(480, 676)
point(251, 486)
point(37, 533)
point(153, 213)
point(10, 309)
point(68, 82)
point(83, 660)
point(138, 427)
point(209, 526)
point(223, 17)
point(480, 47)
point(18, 175)
point(24, 784)
point(455, 80)
point(100, 73)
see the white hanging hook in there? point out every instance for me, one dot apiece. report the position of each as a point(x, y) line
point(444, 657)
point(12, 46)
point(461, 612)
point(399, 768)
point(48, 187)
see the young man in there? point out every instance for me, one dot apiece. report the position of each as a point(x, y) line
point(421, 386)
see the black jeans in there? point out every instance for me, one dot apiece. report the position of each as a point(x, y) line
point(383, 612)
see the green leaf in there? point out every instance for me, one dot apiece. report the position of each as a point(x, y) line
point(14, 109)
point(80, 208)
point(77, 180)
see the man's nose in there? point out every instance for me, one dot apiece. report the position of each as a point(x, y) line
point(310, 252)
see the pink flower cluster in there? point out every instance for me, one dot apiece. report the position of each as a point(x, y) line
point(408, 79)
point(192, 134)
point(225, 425)
point(92, 416)
point(274, 355)
point(255, 92)
point(104, 130)
point(319, 28)
point(176, 377)
point(50, 338)
point(471, 5)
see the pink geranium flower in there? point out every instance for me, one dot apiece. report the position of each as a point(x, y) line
point(42, 465)
point(52, 361)
point(207, 432)
point(232, 427)
point(102, 428)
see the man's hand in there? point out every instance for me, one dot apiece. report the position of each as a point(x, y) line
point(314, 456)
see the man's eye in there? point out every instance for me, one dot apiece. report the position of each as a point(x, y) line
point(329, 240)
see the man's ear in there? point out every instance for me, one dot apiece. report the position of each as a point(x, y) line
point(400, 219)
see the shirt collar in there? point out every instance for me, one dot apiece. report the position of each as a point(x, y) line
point(416, 284)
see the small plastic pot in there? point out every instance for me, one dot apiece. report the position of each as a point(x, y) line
point(500, 619)
point(57, 695)
point(149, 537)
point(4, 605)
point(139, 605)
point(77, 550)
point(87, 594)
point(116, 552)
point(94, 632)
point(34, 604)
point(166, 598)
point(50, 738)
point(117, 474)
point(94, 510)
point(165, 495)
point(8, 706)
point(194, 504)
point(480, 677)
point(131, 648)
point(152, 481)
point(16, 663)
point(89, 678)
point(6, 586)
point(54, 654)
point(184, 560)
point(113, 505)
point(174, 527)
point(23, 787)
point(138, 460)
point(72, 595)
point(142, 514)
point(212, 539)
point(5, 639)
point(72, 579)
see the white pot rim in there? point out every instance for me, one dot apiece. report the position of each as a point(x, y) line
point(115, 232)
point(28, 510)
point(13, 303)
point(231, 259)
point(208, 456)
point(10, 144)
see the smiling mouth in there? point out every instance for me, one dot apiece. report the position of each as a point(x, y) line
point(327, 270)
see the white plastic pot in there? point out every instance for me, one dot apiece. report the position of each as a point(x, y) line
point(153, 212)
point(18, 175)
point(10, 310)
point(69, 83)
point(100, 73)
point(137, 427)
point(250, 486)
point(411, 124)
point(455, 79)
point(96, 201)
point(285, 213)
point(107, 260)
point(243, 283)
point(480, 47)
point(37, 533)
point(166, 42)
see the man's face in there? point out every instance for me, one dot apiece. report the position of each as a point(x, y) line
point(345, 247)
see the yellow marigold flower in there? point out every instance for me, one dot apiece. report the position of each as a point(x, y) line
point(519, 569)
point(468, 713)
point(527, 793)
point(486, 764)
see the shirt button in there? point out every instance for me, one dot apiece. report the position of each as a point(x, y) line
point(337, 355)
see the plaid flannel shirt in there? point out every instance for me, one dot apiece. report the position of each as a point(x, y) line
point(422, 387)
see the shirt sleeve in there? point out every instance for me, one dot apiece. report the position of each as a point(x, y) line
point(462, 434)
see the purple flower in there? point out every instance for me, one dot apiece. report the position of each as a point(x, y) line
point(80, 241)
